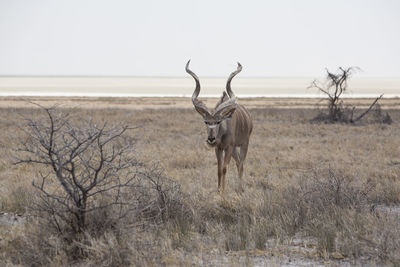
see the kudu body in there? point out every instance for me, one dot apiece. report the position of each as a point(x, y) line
point(229, 127)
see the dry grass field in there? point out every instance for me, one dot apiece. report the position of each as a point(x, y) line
point(314, 193)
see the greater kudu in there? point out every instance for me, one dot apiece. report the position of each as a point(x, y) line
point(229, 127)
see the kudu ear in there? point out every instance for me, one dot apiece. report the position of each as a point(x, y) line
point(228, 112)
point(225, 110)
point(202, 109)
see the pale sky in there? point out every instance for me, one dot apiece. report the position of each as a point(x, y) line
point(156, 38)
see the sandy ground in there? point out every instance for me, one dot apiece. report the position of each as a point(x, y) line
point(184, 86)
point(141, 103)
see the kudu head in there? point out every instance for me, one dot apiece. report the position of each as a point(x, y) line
point(223, 110)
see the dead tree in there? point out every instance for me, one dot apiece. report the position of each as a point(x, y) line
point(334, 87)
point(86, 168)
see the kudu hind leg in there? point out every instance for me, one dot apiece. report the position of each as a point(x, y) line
point(243, 154)
point(236, 157)
point(239, 166)
point(227, 159)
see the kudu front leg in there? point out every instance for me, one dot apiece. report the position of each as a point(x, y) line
point(219, 154)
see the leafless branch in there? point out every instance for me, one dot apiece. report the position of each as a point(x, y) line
point(370, 107)
point(334, 87)
point(88, 169)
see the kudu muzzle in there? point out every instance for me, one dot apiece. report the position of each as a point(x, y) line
point(212, 134)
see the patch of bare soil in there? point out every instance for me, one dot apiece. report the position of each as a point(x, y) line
point(11, 219)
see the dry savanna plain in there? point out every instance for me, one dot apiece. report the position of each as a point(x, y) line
point(313, 193)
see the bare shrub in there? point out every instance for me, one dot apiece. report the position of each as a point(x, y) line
point(327, 198)
point(326, 205)
point(380, 116)
point(93, 166)
point(325, 188)
point(90, 183)
point(334, 87)
point(338, 214)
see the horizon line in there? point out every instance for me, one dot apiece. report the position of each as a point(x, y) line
point(104, 95)
point(183, 77)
